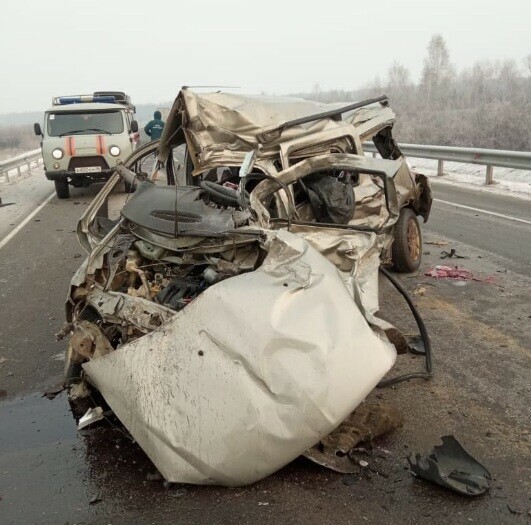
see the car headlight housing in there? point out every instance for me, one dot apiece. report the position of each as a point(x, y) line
point(114, 151)
point(57, 153)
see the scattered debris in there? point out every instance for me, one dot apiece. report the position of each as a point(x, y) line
point(92, 415)
point(441, 272)
point(450, 466)
point(420, 290)
point(96, 498)
point(512, 510)
point(437, 243)
point(155, 476)
point(367, 422)
point(350, 479)
point(416, 345)
point(452, 253)
point(53, 391)
point(462, 274)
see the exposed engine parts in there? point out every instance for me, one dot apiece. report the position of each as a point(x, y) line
point(141, 285)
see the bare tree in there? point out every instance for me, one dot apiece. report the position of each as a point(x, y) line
point(527, 64)
point(478, 82)
point(399, 87)
point(316, 91)
point(398, 78)
point(438, 72)
point(508, 81)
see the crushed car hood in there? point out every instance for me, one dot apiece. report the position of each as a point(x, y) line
point(251, 374)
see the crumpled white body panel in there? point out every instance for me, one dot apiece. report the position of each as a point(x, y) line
point(249, 375)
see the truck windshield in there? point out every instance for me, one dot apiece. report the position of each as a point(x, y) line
point(85, 123)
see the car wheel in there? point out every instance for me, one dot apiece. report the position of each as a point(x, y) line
point(407, 245)
point(62, 189)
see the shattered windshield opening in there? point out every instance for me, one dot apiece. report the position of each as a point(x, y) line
point(340, 198)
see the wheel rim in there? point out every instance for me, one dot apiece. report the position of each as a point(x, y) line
point(413, 240)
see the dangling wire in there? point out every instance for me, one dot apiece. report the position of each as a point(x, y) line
point(423, 332)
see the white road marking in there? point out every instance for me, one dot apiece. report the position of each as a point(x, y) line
point(13, 232)
point(488, 212)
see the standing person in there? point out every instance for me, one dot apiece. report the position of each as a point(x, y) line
point(154, 127)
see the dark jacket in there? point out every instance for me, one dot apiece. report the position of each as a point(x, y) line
point(154, 127)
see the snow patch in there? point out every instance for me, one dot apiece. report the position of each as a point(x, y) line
point(507, 181)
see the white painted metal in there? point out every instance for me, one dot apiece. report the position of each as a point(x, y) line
point(520, 160)
point(15, 163)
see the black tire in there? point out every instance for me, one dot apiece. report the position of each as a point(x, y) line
point(407, 244)
point(62, 189)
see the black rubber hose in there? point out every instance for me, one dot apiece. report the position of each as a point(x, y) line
point(423, 333)
point(221, 194)
point(220, 197)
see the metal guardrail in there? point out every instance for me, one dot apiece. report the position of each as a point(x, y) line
point(16, 163)
point(520, 160)
point(490, 158)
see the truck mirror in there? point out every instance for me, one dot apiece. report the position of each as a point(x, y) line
point(37, 129)
point(134, 126)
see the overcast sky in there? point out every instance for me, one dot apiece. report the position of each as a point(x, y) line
point(151, 48)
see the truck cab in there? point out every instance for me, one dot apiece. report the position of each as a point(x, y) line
point(85, 136)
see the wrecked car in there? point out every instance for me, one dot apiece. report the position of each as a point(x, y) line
point(227, 310)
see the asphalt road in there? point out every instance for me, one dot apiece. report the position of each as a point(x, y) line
point(505, 230)
point(51, 474)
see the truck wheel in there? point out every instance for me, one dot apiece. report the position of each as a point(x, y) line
point(407, 245)
point(62, 189)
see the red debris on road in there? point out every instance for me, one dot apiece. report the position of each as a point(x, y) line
point(461, 274)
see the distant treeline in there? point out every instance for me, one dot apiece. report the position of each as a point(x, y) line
point(17, 139)
point(487, 105)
